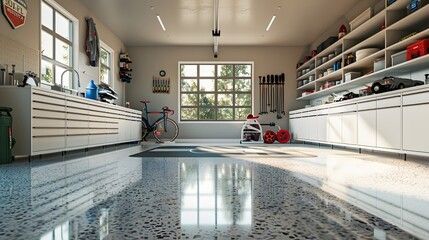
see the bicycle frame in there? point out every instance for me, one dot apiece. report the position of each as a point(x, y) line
point(145, 119)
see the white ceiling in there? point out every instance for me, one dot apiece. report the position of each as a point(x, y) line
point(242, 22)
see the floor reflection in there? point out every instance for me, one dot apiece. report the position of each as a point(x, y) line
point(114, 196)
point(215, 195)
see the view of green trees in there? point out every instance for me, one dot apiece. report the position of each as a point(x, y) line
point(224, 93)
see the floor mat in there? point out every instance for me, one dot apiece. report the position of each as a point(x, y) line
point(217, 151)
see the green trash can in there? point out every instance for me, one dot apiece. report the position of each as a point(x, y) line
point(6, 139)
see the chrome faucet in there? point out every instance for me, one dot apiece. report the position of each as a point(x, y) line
point(78, 79)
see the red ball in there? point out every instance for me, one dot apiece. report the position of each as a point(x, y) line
point(270, 137)
point(283, 136)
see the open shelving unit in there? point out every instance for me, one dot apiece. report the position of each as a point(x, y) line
point(391, 30)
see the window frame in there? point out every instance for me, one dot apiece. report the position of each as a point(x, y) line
point(215, 92)
point(111, 52)
point(73, 42)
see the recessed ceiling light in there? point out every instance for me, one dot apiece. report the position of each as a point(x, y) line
point(161, 23)
point(271, 22)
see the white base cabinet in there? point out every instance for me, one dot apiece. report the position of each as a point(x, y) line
point(46, 121)
point(394, 122)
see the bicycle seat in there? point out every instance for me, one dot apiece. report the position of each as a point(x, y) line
point(144, 101)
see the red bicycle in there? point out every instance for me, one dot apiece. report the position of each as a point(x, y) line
point(164, 129)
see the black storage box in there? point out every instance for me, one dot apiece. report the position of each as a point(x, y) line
point(328, 42)
point(389, 2)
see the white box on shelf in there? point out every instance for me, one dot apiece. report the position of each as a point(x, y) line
point(379, 64)
point(399, 58)
point(351, 75)
point(359, 20)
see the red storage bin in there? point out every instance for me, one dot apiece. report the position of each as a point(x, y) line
point(418, 49)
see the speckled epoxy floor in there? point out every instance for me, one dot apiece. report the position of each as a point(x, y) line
point(113, 196)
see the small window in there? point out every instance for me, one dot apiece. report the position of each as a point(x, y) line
point(106, 55)
point(57, 45)
point(215, 91)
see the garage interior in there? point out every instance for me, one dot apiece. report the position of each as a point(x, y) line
point(214, 119)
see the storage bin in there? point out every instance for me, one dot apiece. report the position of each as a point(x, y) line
point(351, 75)
point(359, 20)
point(379, 64)
point(399, 58)
point(363, 53)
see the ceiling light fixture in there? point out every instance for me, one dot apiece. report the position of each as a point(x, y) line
point(271, 23)
point(161, 23)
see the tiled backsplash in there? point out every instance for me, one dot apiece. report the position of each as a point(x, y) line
point(12, 52)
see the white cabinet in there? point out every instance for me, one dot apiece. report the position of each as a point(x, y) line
point(52, 121)
point(334, 128)
point(367, 128)
point(416, 128)
point(349, 128)
point(389, 128)
point(322, 128)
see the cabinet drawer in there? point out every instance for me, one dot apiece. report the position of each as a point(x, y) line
point(77, 131)
point(103, 131)
point(102, 139)
point(73, 116)
point(77, 105)
point(367, 105)
point(103, 125)
point(77, 141)
point(43, 132)
point(48, 114)
point(47, 99)
point(41, 144)
point(418, 98)
point(389, 102)
point(77, 110)
point(102, 119)
point(348, 108)
point(77, 124)
point(46, 123)
point(48, 107)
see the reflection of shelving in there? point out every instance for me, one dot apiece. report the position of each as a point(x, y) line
point(389, 40)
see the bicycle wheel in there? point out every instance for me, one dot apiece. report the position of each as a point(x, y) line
point(145, 130)
point(166, 130)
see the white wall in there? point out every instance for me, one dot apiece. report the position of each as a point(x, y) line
point(22, 46)
point(148, 61)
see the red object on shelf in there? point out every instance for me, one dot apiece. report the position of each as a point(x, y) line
point(342, 32)
point(418, 49)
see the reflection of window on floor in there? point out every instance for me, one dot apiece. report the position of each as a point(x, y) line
point(104, 223)
point(61, 232)
point(215, 194)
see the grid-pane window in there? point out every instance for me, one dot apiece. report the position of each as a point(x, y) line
point(57, 46)
point(215, 92)
point(105, 66)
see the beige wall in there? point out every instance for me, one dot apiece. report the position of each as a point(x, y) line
point(22, 46)
point(148, 61)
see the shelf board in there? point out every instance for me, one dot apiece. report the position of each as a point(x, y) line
point(405, 23)
point(312, 72)
point(372, 41)
point(360, 31)
point(409, 66)
point(331, 76)
point(330, 62)
point(308, 86)
point(330, 49)
point(406, 42)
point(306, 64)
point(365, 61)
